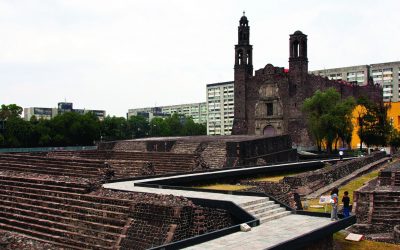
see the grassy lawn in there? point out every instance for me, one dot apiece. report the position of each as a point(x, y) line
point(276, 177)
point(225, 187)
point(350, 187)
point(342, 244)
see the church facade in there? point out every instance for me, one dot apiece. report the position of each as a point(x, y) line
point(269, 101)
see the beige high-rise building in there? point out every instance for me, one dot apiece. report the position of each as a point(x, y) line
point(386, 75)
point(220, 108)
point(198, 111)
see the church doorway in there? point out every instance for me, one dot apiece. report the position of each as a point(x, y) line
point(269, 131)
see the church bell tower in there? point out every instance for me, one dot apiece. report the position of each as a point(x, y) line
point(243, 71)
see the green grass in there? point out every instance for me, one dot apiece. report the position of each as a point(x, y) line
point(277, 177)
point(224, 187)
point(349, 187)
point(341, 244)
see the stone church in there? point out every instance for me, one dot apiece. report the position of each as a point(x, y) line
point(269, 101)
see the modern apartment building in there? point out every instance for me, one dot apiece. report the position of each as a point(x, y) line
point(62, 107)
point(198, 111)
point(39, 113)
point(220, 108)
point(385, 74)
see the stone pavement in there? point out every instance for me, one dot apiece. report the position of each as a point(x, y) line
point(129, 186)
point(267, 234)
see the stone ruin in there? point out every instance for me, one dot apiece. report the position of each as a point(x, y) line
point(306, 183)
point(377, 206)
point(291, 188)
point(209, 152)
point(53, 202)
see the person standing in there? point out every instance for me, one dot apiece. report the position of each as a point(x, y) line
point(341, 155)
point(334, 203)
point(346, 204)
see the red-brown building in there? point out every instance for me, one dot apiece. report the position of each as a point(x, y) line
point(269, 101)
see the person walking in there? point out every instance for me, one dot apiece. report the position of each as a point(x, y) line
point(346, 204)
point(334, 203)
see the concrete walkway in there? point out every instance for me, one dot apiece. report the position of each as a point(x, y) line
point(267, 234)
point(129, 186)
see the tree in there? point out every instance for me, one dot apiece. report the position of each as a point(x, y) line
point(157, 127)
point(18, 133)
point(329, 117)
point(9, 111)
point(138, 126)
point(343, 122)
point(374, 126)
point(394, 140)
point(114, 128)
point(192, 128)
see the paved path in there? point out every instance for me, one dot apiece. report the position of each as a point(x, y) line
point(129, 186)
point(267, 234)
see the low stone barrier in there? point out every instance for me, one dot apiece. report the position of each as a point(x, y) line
point(306, 183)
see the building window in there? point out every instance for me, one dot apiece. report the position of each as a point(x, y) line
point(270, 109)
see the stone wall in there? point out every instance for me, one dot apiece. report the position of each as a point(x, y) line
point(138, 145)
point(260, 151)
point(168, 219)
point(377, 204)
point(306, 183)
point(280, 191)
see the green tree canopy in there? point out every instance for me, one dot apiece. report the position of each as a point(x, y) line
point(73, 129)
point(329, 117)
point(374, 126)
point(9, 111)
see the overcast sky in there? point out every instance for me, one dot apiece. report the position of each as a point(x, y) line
point(116, 55)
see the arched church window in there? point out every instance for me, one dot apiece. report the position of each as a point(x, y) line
point(296, 49)
point(240, 57)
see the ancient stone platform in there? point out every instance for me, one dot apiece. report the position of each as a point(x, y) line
point(271, 232)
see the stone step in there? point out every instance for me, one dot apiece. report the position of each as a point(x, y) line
point(388, 217)
point(42, 237)
point(44, 181)
point(264, 209)
point(50, 158)
point(382, 237)
point(74, 212)
point(269, 212)
point(255, 202)
point(274, 216)
point(58, 240)
point(65, 223)
point(47, 161)
point(259, 205)
point(50, 166)
point(44, 186)
point(45, 171)
point(62, 198)
point(80, 197)
point(390, 202)
point(49, 227)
